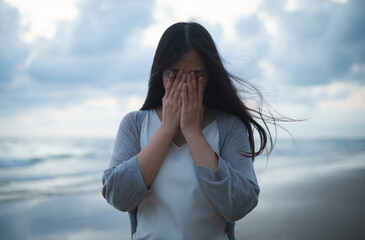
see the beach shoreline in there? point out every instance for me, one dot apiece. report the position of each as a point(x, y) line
point(70, 216)
point(329, 206)
point(311, 206)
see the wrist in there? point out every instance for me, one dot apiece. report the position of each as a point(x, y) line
point(167, 132)
point(192, 135)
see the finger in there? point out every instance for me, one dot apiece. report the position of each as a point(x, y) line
point(172, 76)
point(184, 96)
point(179, 87)
point(200, 89)
point(175, 83)
point(168, 86)
point(194, 85)
point(190, 93)
point(179, 75)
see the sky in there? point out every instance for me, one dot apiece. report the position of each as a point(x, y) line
point(74, 68)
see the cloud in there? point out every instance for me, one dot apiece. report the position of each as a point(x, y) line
point(100, 50)
point(38, 22)
point(95, 117)
point(311, 43)
point(104, 26)
point(221, 15)
point(89, 49)
point(12, 50)
point(94, 67)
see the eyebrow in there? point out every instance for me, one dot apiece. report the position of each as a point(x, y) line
point(195, 71)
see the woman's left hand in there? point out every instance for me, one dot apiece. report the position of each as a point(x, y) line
point(192, 112)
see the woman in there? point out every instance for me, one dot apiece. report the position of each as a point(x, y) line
point(182, 166)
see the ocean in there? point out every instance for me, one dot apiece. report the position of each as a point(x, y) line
point(51, 189)
point(31, 168)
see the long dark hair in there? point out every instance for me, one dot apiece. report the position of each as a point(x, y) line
point(220, 93)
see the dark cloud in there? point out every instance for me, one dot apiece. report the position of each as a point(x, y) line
point(89, 49)
point(89, 52)
point(103, 26)
point(317, 44)
point(99, 50)
point(12, 50)
point(255, 41)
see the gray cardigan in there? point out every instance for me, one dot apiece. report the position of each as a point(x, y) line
point(232, 188)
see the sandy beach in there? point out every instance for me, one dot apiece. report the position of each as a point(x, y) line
point(85, 216)
point(322, 207)
point(319, 207)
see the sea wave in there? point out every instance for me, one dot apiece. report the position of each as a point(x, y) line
point(34, 168)
point(20, 162)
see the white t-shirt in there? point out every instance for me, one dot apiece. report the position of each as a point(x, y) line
point(177, 208)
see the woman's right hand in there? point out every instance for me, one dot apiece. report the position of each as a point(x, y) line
point(150, 158)
point(172, 103)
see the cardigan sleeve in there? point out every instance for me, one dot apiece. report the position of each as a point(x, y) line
point(123, 185)
point(232, 188)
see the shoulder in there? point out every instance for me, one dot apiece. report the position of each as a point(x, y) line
point(228, 121)
point(134, 118)
point(135, 115)
point(232, 133)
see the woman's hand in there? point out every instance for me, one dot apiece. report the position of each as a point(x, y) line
point(192, 116)
point(172, 103)
point(192, 113)
point(151, 157)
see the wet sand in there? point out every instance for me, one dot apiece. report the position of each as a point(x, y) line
point(329, 206)
point(73, 217)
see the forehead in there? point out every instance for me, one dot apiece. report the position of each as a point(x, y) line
point(189, 61)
